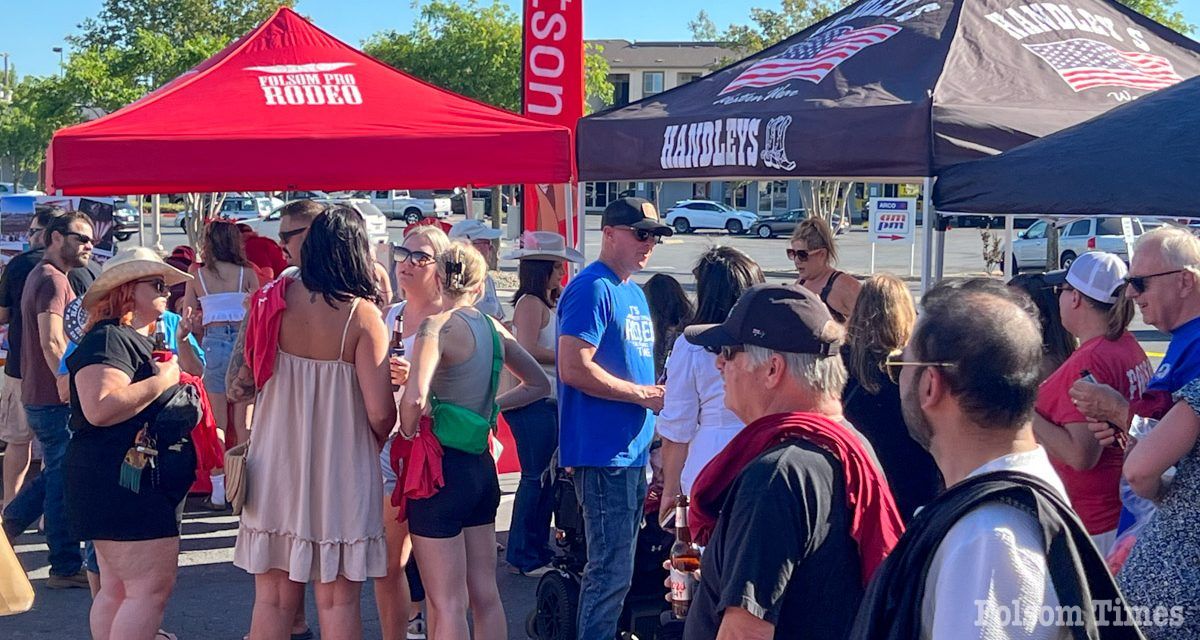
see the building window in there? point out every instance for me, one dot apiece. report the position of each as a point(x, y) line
point(620, 83)
point(772, 196)
point(597, 195)
point(652, 83)
point(736, 194)
point(686, 77)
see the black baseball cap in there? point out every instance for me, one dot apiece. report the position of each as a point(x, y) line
point(785, 318)
point(638, 213)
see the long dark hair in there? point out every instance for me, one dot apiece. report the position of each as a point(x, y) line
point(223, 242)
point(670, 311)
point(336, 261)
point(534, 279)
point(1057, 343)
point(722, 274)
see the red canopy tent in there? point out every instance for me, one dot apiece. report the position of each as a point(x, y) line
point(289, 107)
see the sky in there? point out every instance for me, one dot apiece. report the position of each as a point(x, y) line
point(30, 29)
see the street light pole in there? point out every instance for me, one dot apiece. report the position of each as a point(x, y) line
point(62, 72)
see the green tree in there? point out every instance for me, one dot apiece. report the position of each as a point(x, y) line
point(179, 21)
point(1162, 12)
point(472, 49)
point(703, 29)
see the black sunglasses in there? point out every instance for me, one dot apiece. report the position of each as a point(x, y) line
point(727, 352)
point(418, 258)
point(286, 236)
point(643, 235)
point(1058, 289)
point(1139, 282)
point(83, 239)
point(159, 285)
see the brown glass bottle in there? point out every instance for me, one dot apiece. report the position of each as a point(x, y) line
point(396, 349)
point(160, 338)
point(685, 559)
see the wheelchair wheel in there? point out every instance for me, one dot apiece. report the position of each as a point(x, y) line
point(557, 606)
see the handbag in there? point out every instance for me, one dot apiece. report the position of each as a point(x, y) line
point(16, 593)
point(236, 478)
point(460, 428)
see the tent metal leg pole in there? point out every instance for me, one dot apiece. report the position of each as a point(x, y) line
point(939, 258)
point(142, 220)
point(927, 250)
point(1006, 255)
point(581, 215)
point(156, 234)
point(571, 231)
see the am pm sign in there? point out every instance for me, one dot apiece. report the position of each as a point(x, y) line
point(892, 220)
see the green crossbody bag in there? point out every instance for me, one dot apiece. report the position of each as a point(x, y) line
point(460, 428)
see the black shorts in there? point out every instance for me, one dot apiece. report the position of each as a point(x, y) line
point(469, 499)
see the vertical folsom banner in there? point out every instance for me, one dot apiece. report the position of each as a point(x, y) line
point(552, 91)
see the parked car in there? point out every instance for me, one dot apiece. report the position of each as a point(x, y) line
point(1075, 237)
point(687, 215)
point(399, 204)
point(782, 224)
point(238, 209)
point(125, 221)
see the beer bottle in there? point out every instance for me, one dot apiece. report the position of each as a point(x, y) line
point(160, 338)
point(685, 558)
point(396, 349)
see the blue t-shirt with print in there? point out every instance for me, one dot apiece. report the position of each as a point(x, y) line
point(1181, 364)
point(613, 316)
point(170, 324)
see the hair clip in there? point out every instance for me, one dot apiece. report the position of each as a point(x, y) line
point(454, 272)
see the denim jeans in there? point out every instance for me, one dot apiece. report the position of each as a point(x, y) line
point(612, 499)
point(535, 428)
point(45, 494)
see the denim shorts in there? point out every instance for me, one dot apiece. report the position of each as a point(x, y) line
point(218, 350)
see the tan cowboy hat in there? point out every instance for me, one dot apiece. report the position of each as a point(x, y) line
point(129, 265)
point(543, 245)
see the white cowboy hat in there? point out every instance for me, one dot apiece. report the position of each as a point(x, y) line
point(543, 245)
point(129, 265)
point(474, 230)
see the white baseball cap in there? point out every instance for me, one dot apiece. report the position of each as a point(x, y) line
point(474, 230)
point(1096, 274)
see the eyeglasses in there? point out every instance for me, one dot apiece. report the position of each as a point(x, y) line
point(894, 364)
point(159, 285)
point(1061, 288)
point(1139, 282)
point(80, 237)
point(727, 352)
point(418, 258)
point(33, 230)
point(642, 235)
point(286, 236)
point(801, 254)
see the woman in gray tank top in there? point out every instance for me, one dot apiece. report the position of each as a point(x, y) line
point(454, 531)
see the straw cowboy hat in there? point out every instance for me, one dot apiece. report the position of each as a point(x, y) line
point(543, 245)
point(129, 265)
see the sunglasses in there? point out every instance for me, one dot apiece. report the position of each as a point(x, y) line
point(727, 352)
point(894, 365)
point(159, 285)
point(800, 254)
point(643, 235)
point(418, 258)
point(1059, 289)
point(286, 236)
point(35, 230)
point(1139, 282)
point(80, 237)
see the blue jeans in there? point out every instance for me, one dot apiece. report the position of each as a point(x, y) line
point(45, 494)
point(535, 428)
point(612, 499)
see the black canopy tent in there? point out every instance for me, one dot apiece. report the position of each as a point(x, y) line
point(892, 90)
point(1141, 158)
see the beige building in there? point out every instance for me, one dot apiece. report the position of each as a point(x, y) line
point(641, 69)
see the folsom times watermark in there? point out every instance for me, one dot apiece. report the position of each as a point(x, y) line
point(1106, 612)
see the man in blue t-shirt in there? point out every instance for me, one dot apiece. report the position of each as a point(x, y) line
point(1164, 282)
point(606, 399)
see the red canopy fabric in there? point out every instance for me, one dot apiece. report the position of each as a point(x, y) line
point(289, 107)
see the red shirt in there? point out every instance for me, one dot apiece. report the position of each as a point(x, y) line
point(1122, 365)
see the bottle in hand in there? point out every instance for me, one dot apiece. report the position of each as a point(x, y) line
point(685, 559)
point(160, 338)
point(396, 349)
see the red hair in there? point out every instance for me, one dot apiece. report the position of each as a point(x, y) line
point(117, 305)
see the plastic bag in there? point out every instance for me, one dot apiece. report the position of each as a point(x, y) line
point(1142, 511)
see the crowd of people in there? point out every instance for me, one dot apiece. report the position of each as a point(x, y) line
point(857, 466)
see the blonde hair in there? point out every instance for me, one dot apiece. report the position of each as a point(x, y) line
point(882, 322)
point(461, 269)
point(433, 234)
point(816, 234)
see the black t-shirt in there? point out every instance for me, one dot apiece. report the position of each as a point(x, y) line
point(12, 284)
point(911, 471)
point(782, 549)
point(126, 350)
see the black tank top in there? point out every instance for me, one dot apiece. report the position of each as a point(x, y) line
point(825, 291)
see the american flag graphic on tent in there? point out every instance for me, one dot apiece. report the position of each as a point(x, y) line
point(811, 59)
point(1086, 63)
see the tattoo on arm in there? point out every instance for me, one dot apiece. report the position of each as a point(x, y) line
point(239, 378)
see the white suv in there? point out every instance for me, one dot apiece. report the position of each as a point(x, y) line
point(687, 215)
point(1075, 237)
